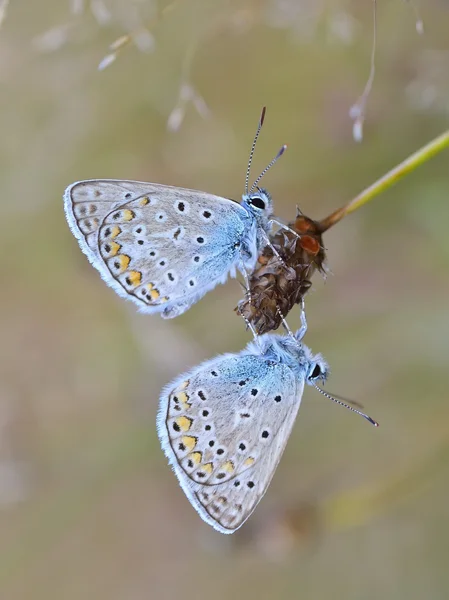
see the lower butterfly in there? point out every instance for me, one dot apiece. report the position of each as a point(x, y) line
point(225, 424)
point(165, 247)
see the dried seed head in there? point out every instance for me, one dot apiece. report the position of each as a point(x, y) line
point(276, 287)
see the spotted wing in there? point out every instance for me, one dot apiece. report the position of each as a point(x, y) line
point(162, 247)
point(224, 427)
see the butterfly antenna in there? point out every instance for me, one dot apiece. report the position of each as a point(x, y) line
point(268, 167)
point(251, 154)
point(341, 403)
point(348, 400)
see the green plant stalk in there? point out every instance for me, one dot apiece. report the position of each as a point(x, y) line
point(396, 174)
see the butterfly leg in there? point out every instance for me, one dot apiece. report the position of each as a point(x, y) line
point(253, 331)
point(302, 330)
point(275, 252)
point(246, 277)
point(285, 324)
point(282, 226)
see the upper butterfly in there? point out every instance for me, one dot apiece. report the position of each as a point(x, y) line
point(165, 247)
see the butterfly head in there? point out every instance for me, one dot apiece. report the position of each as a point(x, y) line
point(259, 204)
point(318, 370)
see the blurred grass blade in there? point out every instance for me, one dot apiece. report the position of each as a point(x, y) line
point(396, 174)
point(419, 24)
point(3, 8)
point(142, 37)
point(357, 111)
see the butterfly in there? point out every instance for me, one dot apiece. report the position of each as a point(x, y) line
point(165, 247)
point(224, 424)
point(280, 280)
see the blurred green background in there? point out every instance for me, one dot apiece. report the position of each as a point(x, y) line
point(88, 505)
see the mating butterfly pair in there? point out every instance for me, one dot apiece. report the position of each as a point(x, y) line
point(223, 425)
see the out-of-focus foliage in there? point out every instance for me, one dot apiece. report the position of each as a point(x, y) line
point(88, 505)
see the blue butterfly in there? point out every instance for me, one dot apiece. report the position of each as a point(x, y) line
point(225, 423)
point(165, 247)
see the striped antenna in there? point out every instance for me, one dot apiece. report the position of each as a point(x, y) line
point(359, 412)
point(268, 167)
point(253, 147)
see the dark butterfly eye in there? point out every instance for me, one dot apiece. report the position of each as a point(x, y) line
point(257, 202)
point(316, 372)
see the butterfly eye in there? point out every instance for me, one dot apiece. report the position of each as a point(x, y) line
point(257, 202)
point(316, 372)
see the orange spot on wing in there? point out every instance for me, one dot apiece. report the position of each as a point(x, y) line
point(196, 457)
point(189, 442)
point(184, 423)
point(115, 231)
point(128, 215)
point(135, 277)
point(114, 249)
point(183, 399)
point(124, 261)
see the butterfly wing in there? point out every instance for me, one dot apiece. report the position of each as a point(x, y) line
point(162, 247)
point(224, 426)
